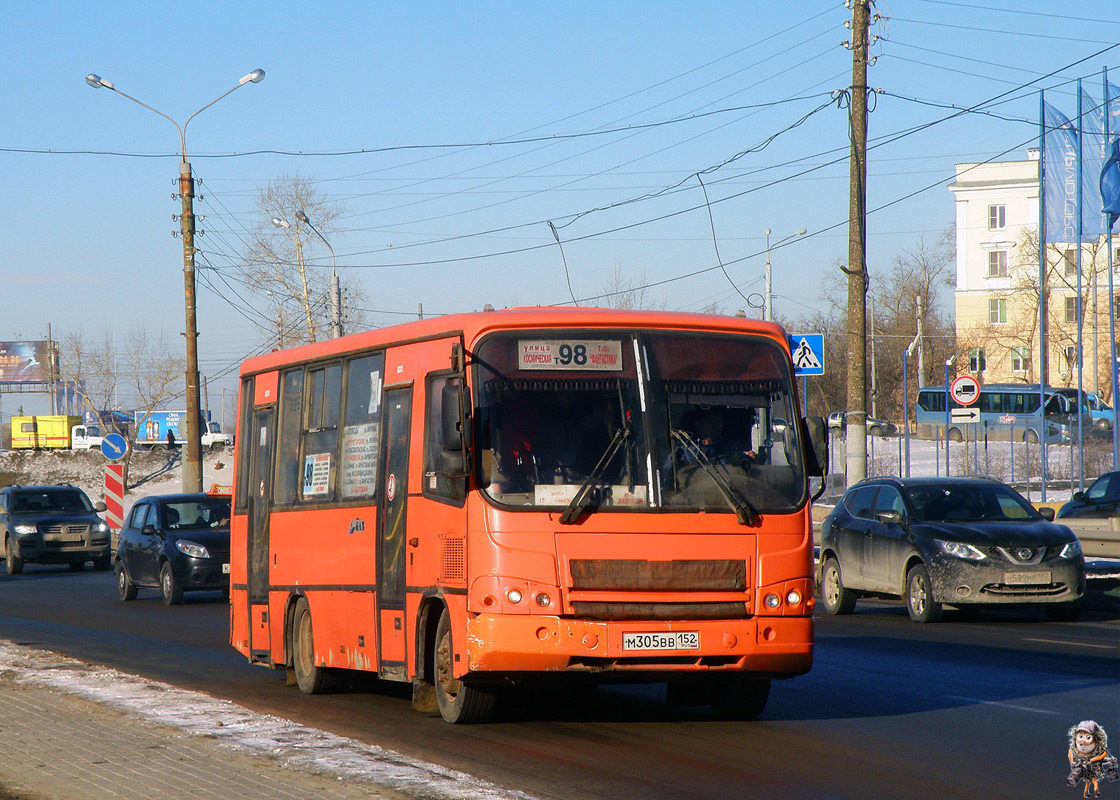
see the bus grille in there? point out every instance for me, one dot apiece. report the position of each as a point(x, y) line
point(658, 576)
point(453, 562)
point(624, 589)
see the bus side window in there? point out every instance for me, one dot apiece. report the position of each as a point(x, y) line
point(289, 470)
point(361, 426)
point(436, 483)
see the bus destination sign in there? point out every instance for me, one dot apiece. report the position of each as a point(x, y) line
point(597, 355)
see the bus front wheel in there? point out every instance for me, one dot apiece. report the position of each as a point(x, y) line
point(739, 696)
point(310, 678)
point(458, 702)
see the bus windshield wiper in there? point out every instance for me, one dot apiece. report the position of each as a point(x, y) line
point(747, 514)
point(579, 502)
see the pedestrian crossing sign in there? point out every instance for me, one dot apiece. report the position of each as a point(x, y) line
point(807, 350)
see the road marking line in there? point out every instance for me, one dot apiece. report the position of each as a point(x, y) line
point(1072, 644)
point(1001, 705)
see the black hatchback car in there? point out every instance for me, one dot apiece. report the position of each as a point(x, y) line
point(1100, 501)
point(958, 541)
point(175, 543)
point(52, 525)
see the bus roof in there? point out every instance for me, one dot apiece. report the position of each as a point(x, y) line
point(473, 325)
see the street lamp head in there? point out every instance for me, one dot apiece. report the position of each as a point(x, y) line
point(302, 217)
point(767, 231)
point(256, 76)
point(96, 81)
point(801, 232)
point(280, 223)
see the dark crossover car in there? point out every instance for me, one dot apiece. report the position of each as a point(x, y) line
point(959, 541)
point(1100, 501)
point(175, 543)
point(52, 525)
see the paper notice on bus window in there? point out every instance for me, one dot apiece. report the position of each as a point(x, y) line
point(594, 355)
point(545, 494)
point(374, 392)
point(359, 460)
point(316, 474)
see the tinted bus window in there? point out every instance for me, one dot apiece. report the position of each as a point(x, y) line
point(291, 411)
point(361, 431)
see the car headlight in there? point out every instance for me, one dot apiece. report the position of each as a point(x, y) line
point(1071, 550)
point(101, 527)
point(24, 530)
point(192, 549)
point(960, 550)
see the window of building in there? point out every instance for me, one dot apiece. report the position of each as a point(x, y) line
point(997, 217)
point(997, 264)
point(1069, 263)
point(976, 360)
point(1070, 353)
point(997, 311)
point(1071, 309)
point(1020, 359)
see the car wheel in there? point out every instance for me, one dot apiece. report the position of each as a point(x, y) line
point(458, 702)
point(837, 599)
point(310, 678)
point(126, 589)
point(1030, 437)
point(919, 596)
point(955, 435)
point(876, 430)
point(739, 696)
point(77, 566)
point(103, 562)
point(170, 589)
point(1066, 612)
point(13, 562)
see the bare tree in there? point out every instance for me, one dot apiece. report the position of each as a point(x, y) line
point(288, 265)
point(621, 291)
point(144, 371)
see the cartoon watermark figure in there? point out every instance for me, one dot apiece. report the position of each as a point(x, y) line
point(1089, 760)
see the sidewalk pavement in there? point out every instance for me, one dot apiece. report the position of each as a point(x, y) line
point(58, 746)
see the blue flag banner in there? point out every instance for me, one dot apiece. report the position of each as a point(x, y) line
point(1110, 183)
point(1060, 180)
point(1093, 147)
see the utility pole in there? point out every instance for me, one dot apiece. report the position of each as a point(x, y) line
point(856, 436)
point(192, 463)
point(921, 345)
point(874, 387)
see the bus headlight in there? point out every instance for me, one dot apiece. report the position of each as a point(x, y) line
point(543, 600)
point(794, 597)
point(772, 601)
point(514, 596)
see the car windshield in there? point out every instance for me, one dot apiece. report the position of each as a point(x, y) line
point(196, 514)
point(971, 502)
point(695, 422)
point(51, 502)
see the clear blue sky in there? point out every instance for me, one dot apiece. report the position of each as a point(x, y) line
point(86, 177)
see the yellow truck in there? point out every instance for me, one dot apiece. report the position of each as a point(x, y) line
point(49, 432)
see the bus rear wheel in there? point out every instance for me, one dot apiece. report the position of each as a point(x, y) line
point(459, 703)
point(310, 678)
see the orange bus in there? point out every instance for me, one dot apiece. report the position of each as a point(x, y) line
point(487, 499)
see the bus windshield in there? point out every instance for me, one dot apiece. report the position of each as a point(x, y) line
point(625, 421)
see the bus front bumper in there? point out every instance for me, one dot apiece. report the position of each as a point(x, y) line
point(778, 646)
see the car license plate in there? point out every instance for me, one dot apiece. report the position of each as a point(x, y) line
point(668, 640)
point(1026, 578)
point(225, 569)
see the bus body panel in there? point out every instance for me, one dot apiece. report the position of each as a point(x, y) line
point(465, 555)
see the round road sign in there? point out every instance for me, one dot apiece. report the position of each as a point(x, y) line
point(114, 446)
point(965, 390)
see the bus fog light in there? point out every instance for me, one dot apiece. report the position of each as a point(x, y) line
point(543, 600)
point(514, 596)
point(794, 597)
point(772, 601)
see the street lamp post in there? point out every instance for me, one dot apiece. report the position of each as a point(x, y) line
point(192, 463)
point(768, 308)
point(336, 294)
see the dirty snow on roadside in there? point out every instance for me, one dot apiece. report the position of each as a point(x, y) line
point(246, 731)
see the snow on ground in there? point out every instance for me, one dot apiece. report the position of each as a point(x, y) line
point(247, 731)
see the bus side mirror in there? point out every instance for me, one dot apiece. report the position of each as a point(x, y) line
point(815, 436)
point(456, 440)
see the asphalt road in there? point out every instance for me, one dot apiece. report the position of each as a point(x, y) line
point(975, 706)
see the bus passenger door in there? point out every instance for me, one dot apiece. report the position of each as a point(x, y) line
point(260, 448)
point(392, 503)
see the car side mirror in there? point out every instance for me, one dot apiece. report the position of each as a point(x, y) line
point(99, 506)
point(890, 517)
point(1079, 496)
point(1047, 513)
point(148, 530)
